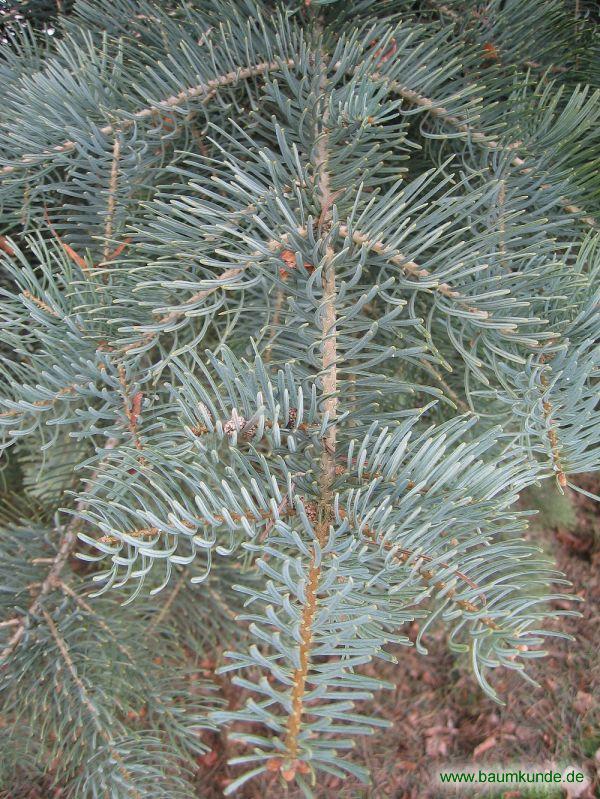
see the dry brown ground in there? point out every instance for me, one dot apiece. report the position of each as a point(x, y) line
point(442, 720)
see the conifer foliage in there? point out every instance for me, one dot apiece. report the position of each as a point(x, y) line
point(297, 298)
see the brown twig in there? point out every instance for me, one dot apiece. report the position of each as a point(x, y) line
point(555, 447)
point(223, 278)
point(150, 532)
point(330, 406)
point(300, 675)
point(66, 588)
point(403, 555)
point(141, 533)
point(42, 403)
point(447, 388)
point(279, 298)
point(133, 406)
point(40, 304)
point(502, 224)
point(281, 508)
point(173, 316)
point(112, 197)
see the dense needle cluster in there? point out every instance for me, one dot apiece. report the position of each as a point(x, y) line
point(297, 298)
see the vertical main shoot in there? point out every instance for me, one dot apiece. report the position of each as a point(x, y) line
point(330, 402)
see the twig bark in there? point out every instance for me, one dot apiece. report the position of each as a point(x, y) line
point(330, 406)
point(112, 196)
point(555, 447)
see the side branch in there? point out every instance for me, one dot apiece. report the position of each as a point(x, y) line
point(477, 136)
point(403, 555)
point(43, 405)
point(456, 17)
point(431, 370)
point(201, 90)
point(66, 589)
point(176, 314)
point(410, 267)
point(52, 580)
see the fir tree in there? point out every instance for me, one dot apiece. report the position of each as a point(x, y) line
point(297, 298)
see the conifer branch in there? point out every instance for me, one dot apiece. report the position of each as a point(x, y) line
point(79, 600)
point(112, 197)
point(478, 137)
point(86, 699)
point(41, 304)
point(141, 534)
point(177, 313)
point(555, 454)
point(166, 607)
point(75, 257)
point(337, 514)
point(300, 675)
point(529, 64)
point(150, 532)
point(133, 407)
point(67, 544)
point(43, 404)
point(330, 406)
point(402, 555)
point(279, 300)
point(175, 100)
point(62, 647)
point(502, 223)
point(461, 404)
point(411, 268)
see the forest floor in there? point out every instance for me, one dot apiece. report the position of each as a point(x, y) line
point(443, 721)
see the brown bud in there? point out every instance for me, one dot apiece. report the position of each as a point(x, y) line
point(230, 427)
point(490, 52)
point(288, 774)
